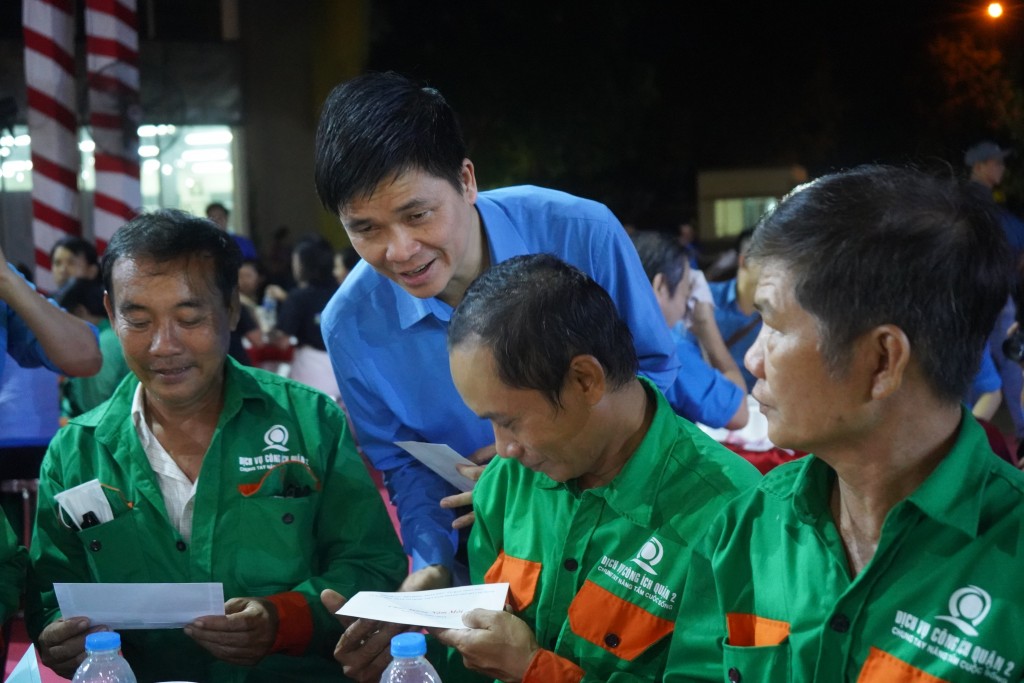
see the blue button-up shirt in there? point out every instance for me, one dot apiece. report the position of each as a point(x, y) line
point(20, 342)
point(731, 319)
point(389, 350)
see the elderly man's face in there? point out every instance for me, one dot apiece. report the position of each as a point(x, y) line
point(807, 407)
point(173, 326)
point(526, 426)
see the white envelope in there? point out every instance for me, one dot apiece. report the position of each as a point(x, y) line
point(140, 605)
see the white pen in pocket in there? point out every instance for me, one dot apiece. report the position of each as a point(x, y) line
point(85, 505)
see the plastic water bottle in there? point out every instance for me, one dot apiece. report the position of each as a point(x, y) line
point(409, 664)
point(104, 663)
point(269, 310)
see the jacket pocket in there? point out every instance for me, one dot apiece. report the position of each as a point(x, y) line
point(113, 550)
point(618, 626)
point(763, 664)
point(275, 544)
point(521, 576)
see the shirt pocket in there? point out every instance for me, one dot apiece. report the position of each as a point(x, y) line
point(275, 541)
point(613, 624)
point(757, 649)
point(763, 664)
point(113, 550)
point(521, 577)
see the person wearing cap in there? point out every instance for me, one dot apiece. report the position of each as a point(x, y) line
point(893, 551)
point(986, 162)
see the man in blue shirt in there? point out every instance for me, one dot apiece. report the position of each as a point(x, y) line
point(714, 395)
point(737, 320)
point(391, 163)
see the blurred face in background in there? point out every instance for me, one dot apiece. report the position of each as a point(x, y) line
point(249, 281)
point(66, 264)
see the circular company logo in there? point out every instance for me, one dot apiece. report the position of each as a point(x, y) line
point(650, 555)
point(968, 607)
point(276, 438)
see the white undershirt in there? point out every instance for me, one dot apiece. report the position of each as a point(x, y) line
point(178, 492)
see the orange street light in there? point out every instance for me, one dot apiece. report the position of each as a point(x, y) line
point(994, 10)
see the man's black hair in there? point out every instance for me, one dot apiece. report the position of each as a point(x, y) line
point(80, 291)
point(316, 261)
point(884, 245)
point(377, 126)
point(536, 313)
point(662, 254)
point(170, 234)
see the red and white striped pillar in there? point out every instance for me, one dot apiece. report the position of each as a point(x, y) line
point(49, 30)
point(112, 59)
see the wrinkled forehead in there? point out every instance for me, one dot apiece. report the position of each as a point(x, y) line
point(194, 272)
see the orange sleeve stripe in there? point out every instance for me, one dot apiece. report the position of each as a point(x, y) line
point(521, 575)
point(595, 610)
point(882, 667)
point(750, 630)
point(547, 667)
point(294, 623)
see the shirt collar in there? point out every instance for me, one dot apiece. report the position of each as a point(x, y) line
point(630, 493)
point(951, 494)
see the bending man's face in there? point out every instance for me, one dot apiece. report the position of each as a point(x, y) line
point(415, 229)
point(527, 428)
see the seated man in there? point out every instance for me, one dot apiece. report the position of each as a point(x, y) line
point(599, 490)
point(712, 395)
point(893, 552)
point(212, 472)
point(737, 320)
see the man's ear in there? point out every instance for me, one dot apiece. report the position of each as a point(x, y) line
point(586, 376)
point(891, 349)
point(660, 287)
point(234, 310)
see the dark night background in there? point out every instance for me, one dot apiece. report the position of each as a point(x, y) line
point(624, 101)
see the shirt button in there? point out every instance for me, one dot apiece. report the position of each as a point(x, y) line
point(180, 545)
point(571, 564)
point(734, 675)
point(611, 640)
point(288, 518)
point(840, 623)
point(95, 546)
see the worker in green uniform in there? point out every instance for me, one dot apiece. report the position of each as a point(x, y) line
point(893, 552)
point(207, 471)
point(599, 490)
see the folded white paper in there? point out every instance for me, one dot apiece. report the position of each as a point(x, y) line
point(442, 608)
point(122, 606)
point(27, 669)
point(442, 459)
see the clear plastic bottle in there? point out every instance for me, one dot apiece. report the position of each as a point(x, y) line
point(409, 664)
point(104, 663)
point(268, 313)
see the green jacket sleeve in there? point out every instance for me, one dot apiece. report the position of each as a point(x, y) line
point(12, 570)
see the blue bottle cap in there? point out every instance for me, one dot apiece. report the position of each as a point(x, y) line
point(408, 645)
point(105, 640)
